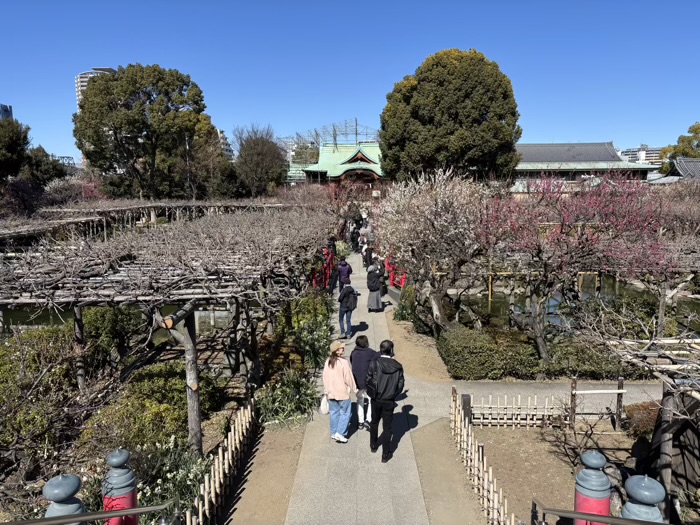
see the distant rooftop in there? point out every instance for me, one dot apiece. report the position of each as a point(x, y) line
point(688, 167)
point(574, 152)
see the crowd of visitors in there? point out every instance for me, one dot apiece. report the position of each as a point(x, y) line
point(376, 379)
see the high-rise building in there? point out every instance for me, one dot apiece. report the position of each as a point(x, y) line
point(5, 111)
point(225, 144)
point(643, 155)
point(81, 81)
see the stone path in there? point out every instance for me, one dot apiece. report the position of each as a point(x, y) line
point(346, 483)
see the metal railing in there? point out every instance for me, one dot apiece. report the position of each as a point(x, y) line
point(174, 518)
point(539, 517)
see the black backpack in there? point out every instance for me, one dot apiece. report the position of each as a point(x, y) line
point(353, 300)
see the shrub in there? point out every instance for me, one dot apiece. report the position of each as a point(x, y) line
point(641, 418)
point(570, 357)
point(294, 395)
point(342, 249)
point(473, 355)
point(36, 384)
point(311, 325)
point(108, 333)
point(406, 309)
point(152, 407)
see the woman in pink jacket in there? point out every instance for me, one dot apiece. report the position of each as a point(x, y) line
point(338, 383)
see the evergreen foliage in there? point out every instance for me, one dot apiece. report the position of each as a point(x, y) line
point(457, 111)
point(135, 124)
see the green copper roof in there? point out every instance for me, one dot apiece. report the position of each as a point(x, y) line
point(339, 159)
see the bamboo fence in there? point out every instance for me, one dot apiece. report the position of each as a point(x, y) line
point(227, 463)
point(518, 412)
point(491, 498)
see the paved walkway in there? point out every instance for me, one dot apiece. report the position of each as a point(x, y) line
point(346, 483)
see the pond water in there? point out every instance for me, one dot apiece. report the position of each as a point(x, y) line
point(498, 309)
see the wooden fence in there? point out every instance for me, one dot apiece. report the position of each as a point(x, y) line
point(228, 462)
point(490, 495)
point(517, 412)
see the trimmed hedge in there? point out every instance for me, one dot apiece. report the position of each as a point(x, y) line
point(471, 355)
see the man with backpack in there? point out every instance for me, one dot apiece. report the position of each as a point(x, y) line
point(384, 384)
point(348, 302)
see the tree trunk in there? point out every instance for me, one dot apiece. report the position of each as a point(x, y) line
point(661, 322)
point(511, 304)
point(435, 297)
point(194, 414)
point(539, 326)
point(79, 346)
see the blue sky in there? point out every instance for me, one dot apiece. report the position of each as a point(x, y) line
point(620, 70)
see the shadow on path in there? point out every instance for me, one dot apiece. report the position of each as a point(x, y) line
point(404, 421)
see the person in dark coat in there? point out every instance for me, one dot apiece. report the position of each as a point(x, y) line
point(360, 358)
point(344, 271)
point(374, 284)
point(333, 281)
point(348, 302)
point(384, 383)
point(367, 256)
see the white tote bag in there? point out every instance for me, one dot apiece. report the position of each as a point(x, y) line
point(324, 408)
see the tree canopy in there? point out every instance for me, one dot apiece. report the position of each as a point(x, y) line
point(134, 123)
point(687, 146)
point(261, 162)
point(14, 143)
point(457, 111)
point(24, 171)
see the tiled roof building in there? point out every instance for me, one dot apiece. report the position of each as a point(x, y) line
point(575, 160)
point(338, 162)
point(687, 167)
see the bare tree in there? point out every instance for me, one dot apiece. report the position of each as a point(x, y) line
point(260, 162)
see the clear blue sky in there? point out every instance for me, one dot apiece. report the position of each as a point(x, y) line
point(620, 70)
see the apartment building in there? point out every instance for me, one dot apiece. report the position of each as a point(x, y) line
point(81, 81)
point(643, 155)
point(5, 111)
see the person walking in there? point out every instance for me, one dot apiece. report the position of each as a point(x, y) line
point(348, 302)
point(374, 283)
point(384, 383)
point(344, 271)
point(360, 358)
point(338, 383)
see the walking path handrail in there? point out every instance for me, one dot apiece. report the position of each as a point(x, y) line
point(538, 508)
point(96, 516)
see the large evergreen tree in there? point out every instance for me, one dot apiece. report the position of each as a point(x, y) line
point(132, 124)
point(458, 111)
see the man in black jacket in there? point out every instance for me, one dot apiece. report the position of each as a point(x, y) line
point(384, 384)
point(360, 358)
